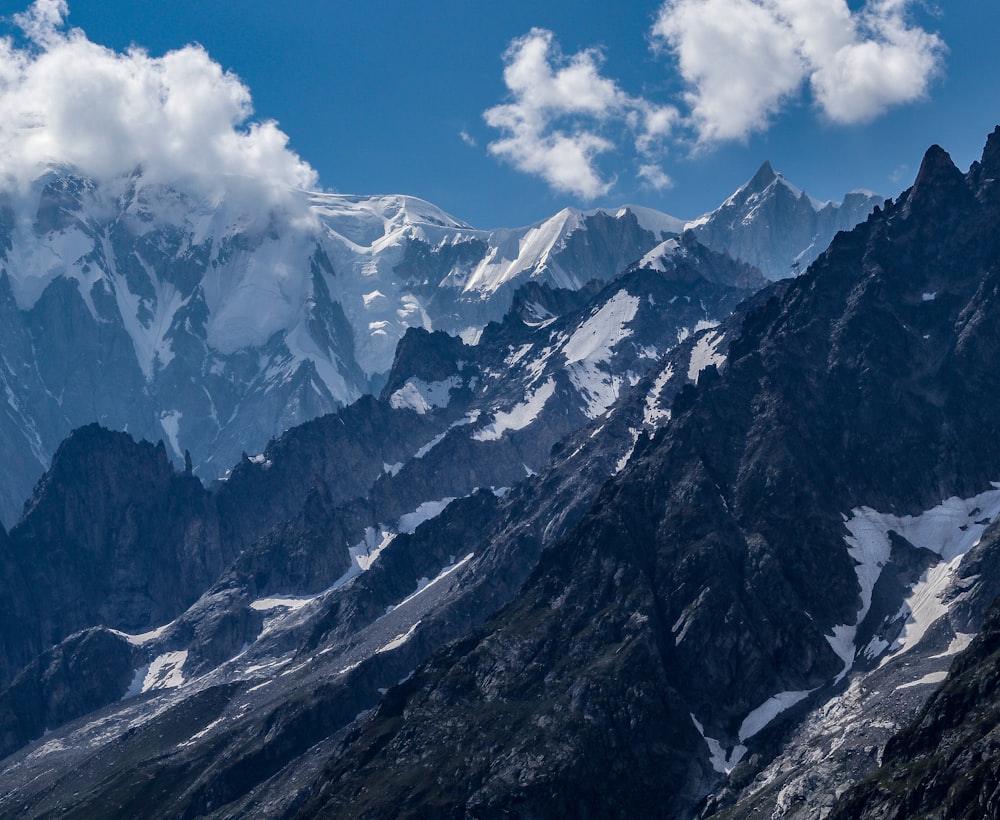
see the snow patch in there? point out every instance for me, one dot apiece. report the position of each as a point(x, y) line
point(165, 672)
point(721, 762)
point(421, 396)
point(471, 335)
point(170, 422)
point(704, 354)
point(950, 530)
point(958, 644)
point(598, 389)
point(425, 512)
point(596, 339)
point(519, 416)
point(768, 711)
point(469, 418)
point(290, 602)
point(199, 735)
point(364, 554)
point(145, 637)
point(654, 259)
point(623, 461)
point(516, 355)
point(653, 413)
point(399, 640)
point(876, 646)
point(135, 687)
point(923, 606)
point(926, 680)
point(423, 584)
point(430, 445)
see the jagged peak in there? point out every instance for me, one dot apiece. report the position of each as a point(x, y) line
point(92, 452)
point(765, 180)
point(991, 156)
point(937, 179)
point(765, 176)
point(936, 163)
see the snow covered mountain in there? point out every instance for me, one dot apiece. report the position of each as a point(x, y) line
point(770, 587)
point(146, 309)
point(777, 227)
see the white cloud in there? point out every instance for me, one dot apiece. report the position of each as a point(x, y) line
point(563, 112)
point(67, 101)
point(738, 58)
point(890, 62)
point(467, 138)
point(654, 177)
point(42, 20)
point(744, 59)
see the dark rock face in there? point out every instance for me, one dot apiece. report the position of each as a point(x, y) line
point(616, 241)
point(112, 536)
point(85, 672)
point(431, 357)
point(706, 577)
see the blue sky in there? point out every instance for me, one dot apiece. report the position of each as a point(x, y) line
point(376, 96)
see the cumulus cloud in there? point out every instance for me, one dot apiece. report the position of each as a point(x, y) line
point(654, 177)
point(744, 59)
point(742, 62)
point(180, 118)
point(563, 113)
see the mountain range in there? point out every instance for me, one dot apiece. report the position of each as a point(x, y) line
point(143, 308)
point(636, 526)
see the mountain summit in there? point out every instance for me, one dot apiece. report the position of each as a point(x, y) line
point(771, 224)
